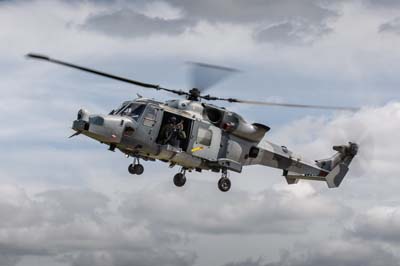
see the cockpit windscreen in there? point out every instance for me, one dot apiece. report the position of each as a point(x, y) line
point(133, 110)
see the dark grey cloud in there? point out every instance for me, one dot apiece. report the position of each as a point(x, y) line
point(247, 262)
point(290, 22)
point(330, 253)
point(272, 211)
point(298, 20)
point(242, 11)
point(292, 32)
point(9, 260)
point(392, 26)
point(128, 23)
point(78, 227)
point(382, 3)
point(132, 257)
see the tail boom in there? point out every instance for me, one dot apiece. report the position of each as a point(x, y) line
point(332, 170)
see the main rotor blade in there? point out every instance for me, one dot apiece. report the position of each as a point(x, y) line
point(291, 105)
point(204, 76)
point(93, 71)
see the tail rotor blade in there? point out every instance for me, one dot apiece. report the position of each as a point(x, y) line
point(356, 131)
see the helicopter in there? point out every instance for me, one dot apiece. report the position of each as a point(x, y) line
point(196, 135)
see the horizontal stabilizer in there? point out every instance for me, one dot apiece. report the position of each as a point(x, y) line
point(291, 180)
point(333, 179)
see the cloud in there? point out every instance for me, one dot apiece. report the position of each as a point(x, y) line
point(8, 260)
point(372, 128)
point(41, 218)
point(130, 24)
point(382, 3)
point(380, 223)
point(288, 22)
point(132, 257)
point(247, 262)
point(330, 253)
point(241, 11)
point(280, 210)
point(78, 227)
point(308, 19)
point(392, 26)
point(69, 204)
point(292, 32)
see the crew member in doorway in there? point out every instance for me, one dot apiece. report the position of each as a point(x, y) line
point(172, 133)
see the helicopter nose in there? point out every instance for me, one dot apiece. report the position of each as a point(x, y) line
point(82, 121)
point(104, 128)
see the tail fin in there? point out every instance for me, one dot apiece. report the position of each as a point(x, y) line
point(338, 165)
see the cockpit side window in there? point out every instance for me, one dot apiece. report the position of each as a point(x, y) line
point(137, 112)
point(128, 110)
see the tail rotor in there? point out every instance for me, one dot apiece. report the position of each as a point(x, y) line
point(360, 141)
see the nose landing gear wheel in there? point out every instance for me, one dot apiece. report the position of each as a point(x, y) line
point(224, 184)
point(179, 180)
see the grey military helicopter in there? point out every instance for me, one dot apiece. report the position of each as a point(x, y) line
point(196, 135)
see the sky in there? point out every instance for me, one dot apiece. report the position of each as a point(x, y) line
point(71, 202)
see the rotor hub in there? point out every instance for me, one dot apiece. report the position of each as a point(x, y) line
point(194, 95)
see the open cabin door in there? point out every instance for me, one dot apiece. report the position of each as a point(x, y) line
point(186, 124)
point(205, 141)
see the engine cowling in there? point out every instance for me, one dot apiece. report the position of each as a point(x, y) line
point(235, 124)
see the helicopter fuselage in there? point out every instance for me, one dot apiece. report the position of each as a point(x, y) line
point(216, 139)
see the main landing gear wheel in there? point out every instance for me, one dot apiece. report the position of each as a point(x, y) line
point(224, 183)
point(131, 169)
point(180, 178)
point(139, 169)
point(135, 168)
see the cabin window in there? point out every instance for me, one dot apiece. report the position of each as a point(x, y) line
point(253, 153)
point(204, 136)
point(150, 117)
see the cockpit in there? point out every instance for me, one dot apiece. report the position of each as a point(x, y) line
point(133, 110)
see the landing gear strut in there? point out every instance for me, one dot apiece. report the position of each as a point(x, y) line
point(136, 168)
point(180, 178)
point(224, 183)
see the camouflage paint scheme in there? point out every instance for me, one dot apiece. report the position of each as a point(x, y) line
point(218, 140)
